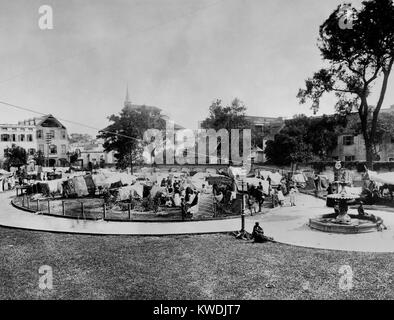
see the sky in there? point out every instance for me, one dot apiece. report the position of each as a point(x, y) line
point(179, 55)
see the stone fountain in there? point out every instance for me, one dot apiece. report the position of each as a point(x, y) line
point(341, 221)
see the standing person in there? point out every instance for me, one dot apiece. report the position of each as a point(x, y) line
point(316, 180)
point(281, 197)
point(259, 197)
point(274, 197)
point(292, 196)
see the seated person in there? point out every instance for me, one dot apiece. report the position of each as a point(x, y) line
point(360, 209)
point(258, 234)
point(193, 208)
point(219, 196)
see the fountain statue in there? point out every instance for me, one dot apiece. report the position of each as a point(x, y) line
point(341, 221)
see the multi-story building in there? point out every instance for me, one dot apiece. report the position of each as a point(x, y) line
point(51, 139)
point(266, 128)
point(20, 135)
point(351, 146)
point(92, 152)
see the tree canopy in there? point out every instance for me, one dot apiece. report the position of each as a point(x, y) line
point(360, 59)
point(226, 117)
point(124, 135)
point(304, 139)
point(15, 156)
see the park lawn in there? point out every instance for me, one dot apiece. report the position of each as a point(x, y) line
point(183, 267)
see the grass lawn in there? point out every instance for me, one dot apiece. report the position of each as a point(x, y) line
point(182, 267)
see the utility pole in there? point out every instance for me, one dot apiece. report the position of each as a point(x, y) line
point(242, 210)
point(48, 140)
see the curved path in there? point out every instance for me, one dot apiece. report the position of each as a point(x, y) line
point(286, 225)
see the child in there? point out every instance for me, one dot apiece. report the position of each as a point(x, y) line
point(292, 196)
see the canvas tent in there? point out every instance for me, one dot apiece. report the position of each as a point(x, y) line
point(384, 178)
point(237, 172)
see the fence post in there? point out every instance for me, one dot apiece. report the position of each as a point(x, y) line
point(104, 210)
point(28, 202)
point(129, 207)
point(38, 204)
point(23, 201)
point(82, 210)
point(49, 207)
point(63, 208)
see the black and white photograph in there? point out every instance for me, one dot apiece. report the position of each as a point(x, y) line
point(175, 151)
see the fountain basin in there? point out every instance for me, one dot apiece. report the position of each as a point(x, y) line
point(358, 224)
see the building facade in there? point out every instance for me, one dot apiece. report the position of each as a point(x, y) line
point(351, 146)
point(266, 128)
point(92, 152)
point(51, 139)
point(21, 135)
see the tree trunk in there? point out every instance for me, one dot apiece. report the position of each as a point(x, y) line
point(369, 154)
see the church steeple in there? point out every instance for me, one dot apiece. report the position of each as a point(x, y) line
point(127, 102)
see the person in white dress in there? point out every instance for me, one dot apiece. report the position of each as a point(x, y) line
point(281, 197)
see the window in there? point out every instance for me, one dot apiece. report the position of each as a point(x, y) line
point(64, 149)
point(5, 137)
point(13, 137)
point(21, 137)
point(335, 158)
point(41, 148)
point(52, 133)
point(63, 134)
point(350, 158)
point(348, 140)
point(391, 159)
point(39, 134)
point(30, 137)
point(4, 128)
point(52, 149)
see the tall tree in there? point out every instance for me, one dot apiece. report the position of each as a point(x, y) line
point(360, 56)
point(124, 135)
point(303, 139)
point(15, 156)
point(289, 145)
point(228, 117)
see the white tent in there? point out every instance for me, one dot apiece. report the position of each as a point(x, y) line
point(237, 172)
point(4, 173)
point(275, 177)
point(385, 178)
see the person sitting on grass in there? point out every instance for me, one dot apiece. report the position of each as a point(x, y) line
point(258, 234)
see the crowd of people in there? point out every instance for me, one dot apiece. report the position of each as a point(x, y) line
point(178, 193)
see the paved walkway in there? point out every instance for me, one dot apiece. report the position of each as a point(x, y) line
point(287, 225)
